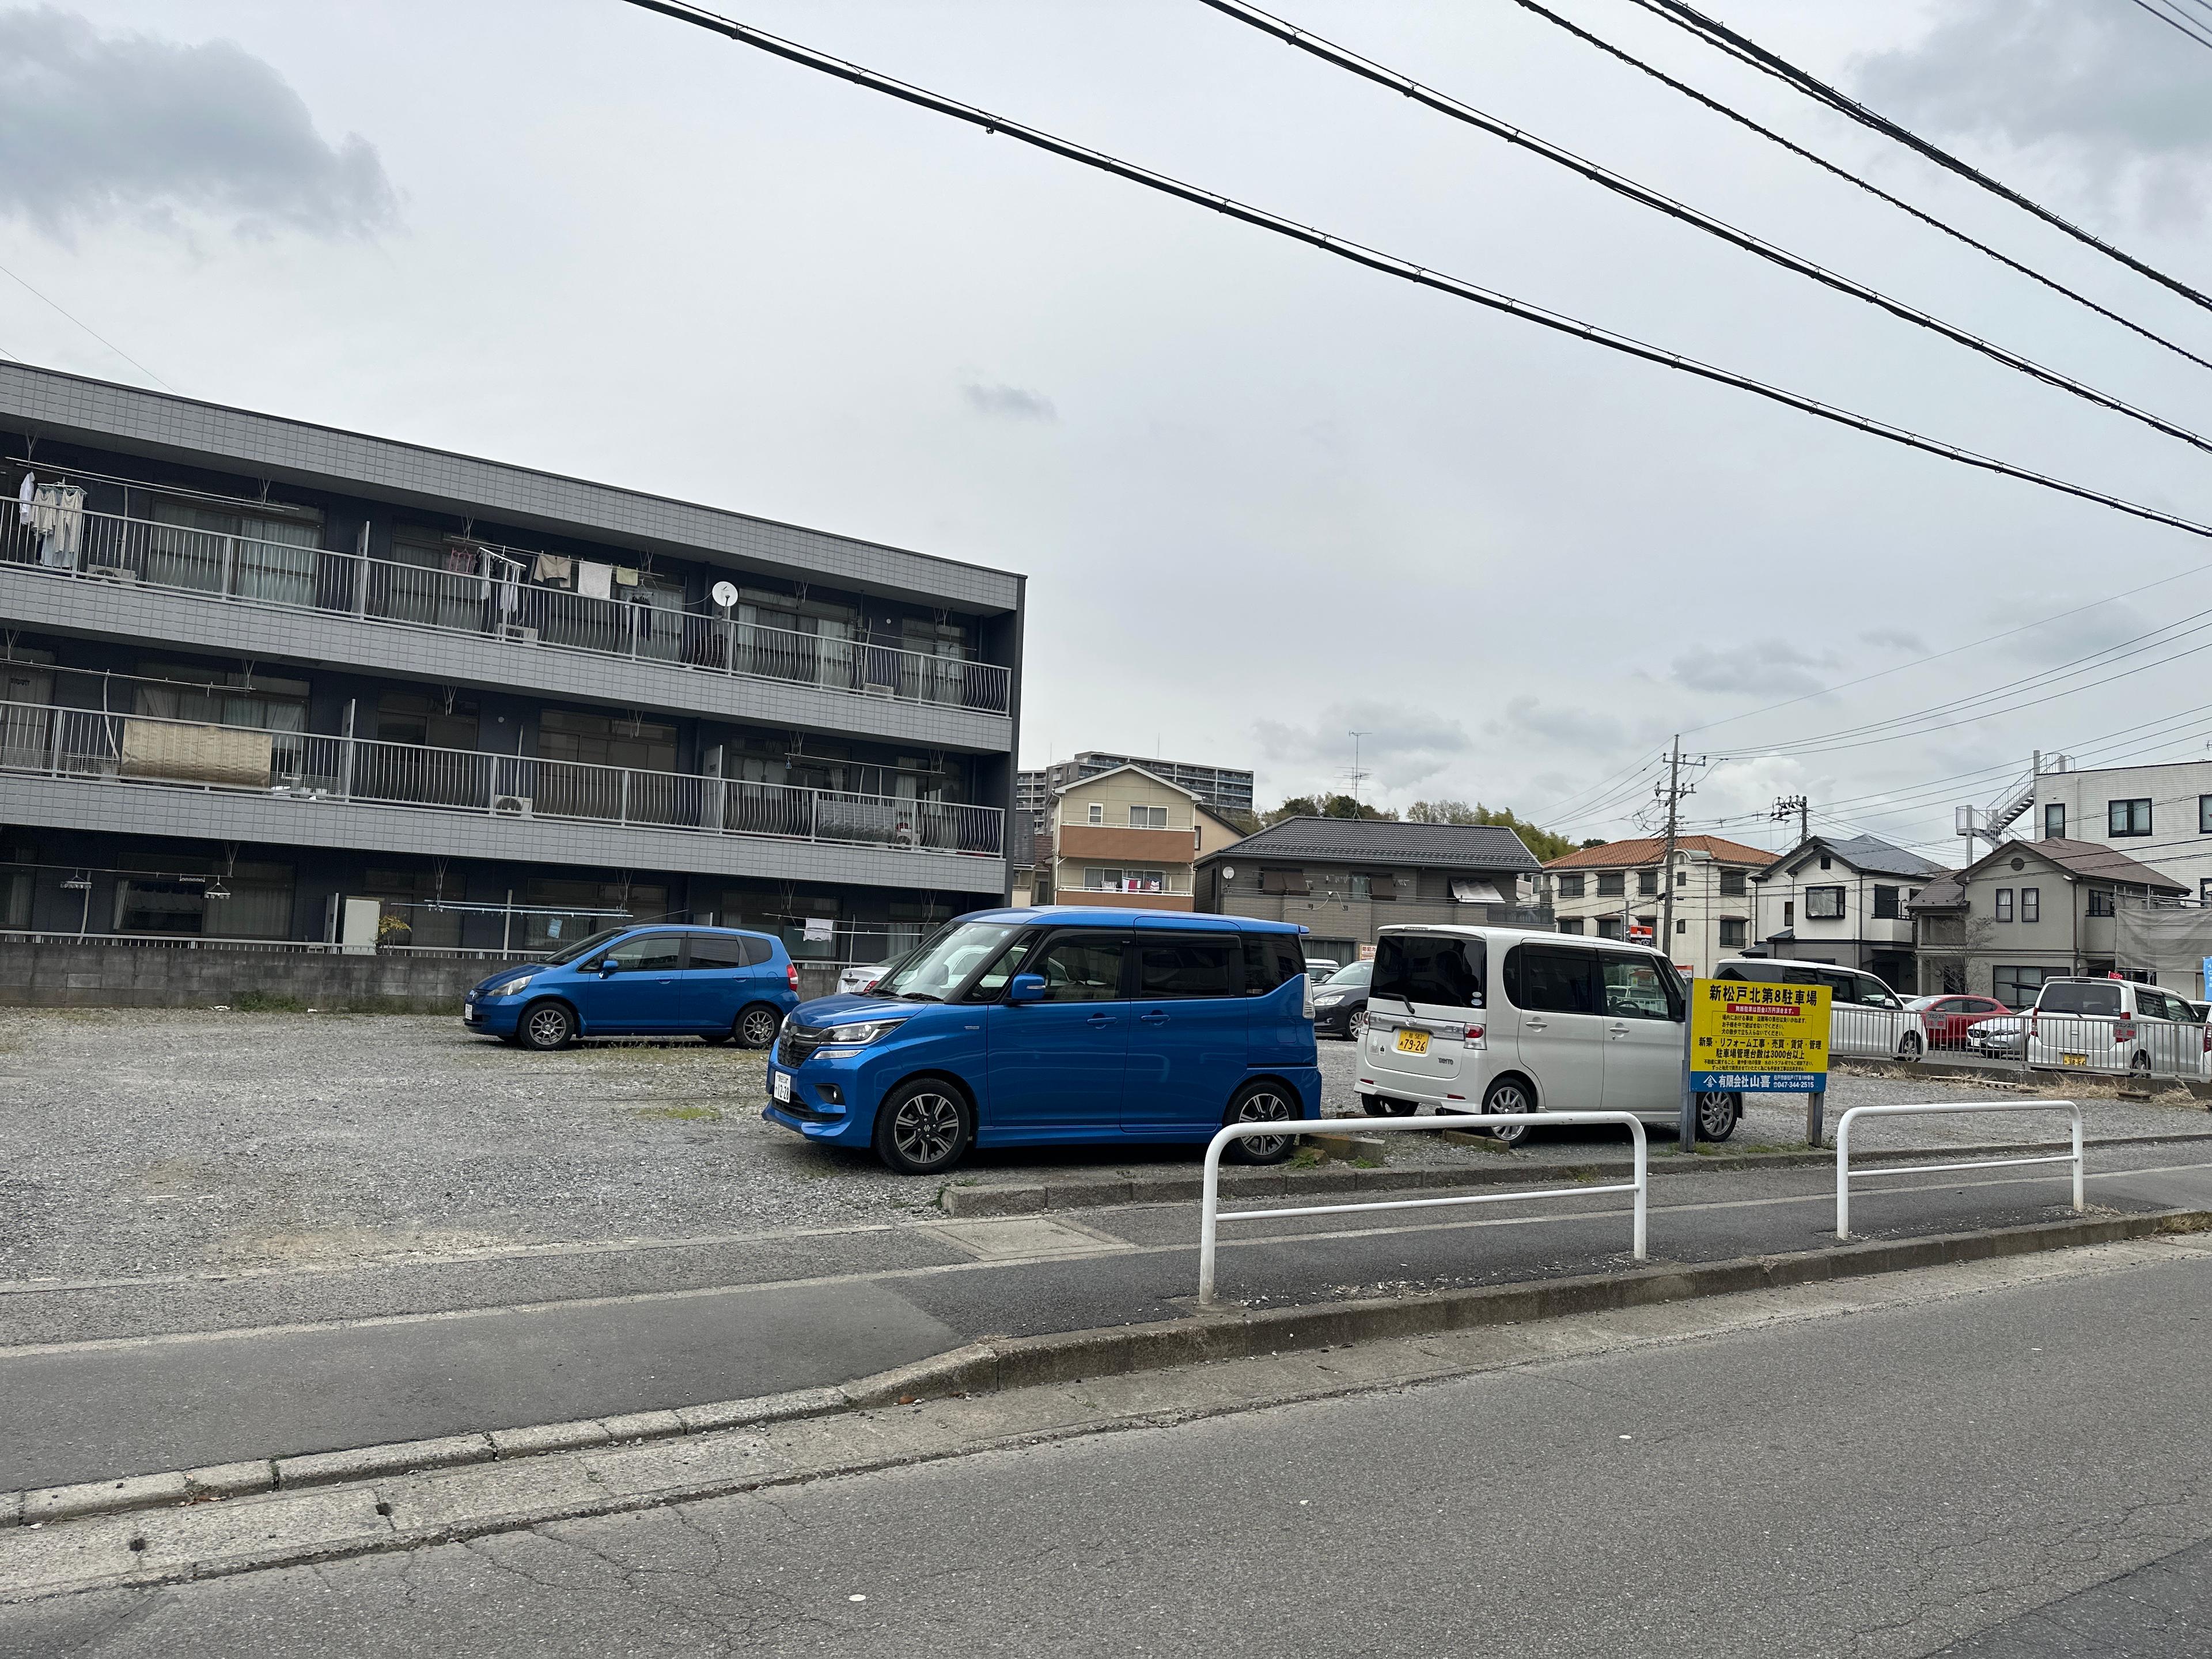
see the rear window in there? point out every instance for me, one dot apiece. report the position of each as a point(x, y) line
point(1271, 960)
point(1440, 969)
point(714, 951)
point(2079, 1000)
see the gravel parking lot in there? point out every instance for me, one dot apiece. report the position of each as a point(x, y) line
point(136, 1141)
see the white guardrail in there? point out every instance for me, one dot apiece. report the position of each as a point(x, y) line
point(1210, 1216)
point(1844, 1148)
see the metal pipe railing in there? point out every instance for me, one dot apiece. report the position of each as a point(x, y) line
point(150, 749)
point(1933, 1109)
point(1209, 1217)
point(106, 547)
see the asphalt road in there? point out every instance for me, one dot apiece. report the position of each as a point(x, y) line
point(112, 1380)
point(2019, 1473)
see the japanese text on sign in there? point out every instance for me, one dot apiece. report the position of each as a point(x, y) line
point(1757, 1038)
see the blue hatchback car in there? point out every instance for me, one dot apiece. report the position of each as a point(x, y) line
point(714, 982)
point(1060, 1026)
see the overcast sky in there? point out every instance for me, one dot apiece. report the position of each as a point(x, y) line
point(1264, 498)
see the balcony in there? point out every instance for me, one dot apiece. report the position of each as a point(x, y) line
point(155, 754)
point(491, 604)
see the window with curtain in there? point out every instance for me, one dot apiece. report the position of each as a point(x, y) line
point(255, 556)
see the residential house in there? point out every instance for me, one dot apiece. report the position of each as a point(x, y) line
point(265, 680)
point(1127, 837)
point(1842, 901)
point(2031, 910)
point(1218, 788)
point(1616, 891)
point(1343, 879)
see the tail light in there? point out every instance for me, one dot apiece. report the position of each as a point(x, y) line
point(1473, 1037)
point(2123, 1033)
point(2208, 1039)
point(1305, 999)
point(791, 973)
point(870, 986)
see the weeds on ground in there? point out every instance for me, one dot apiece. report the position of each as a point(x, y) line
point(268, 1002)
point(1306, 1158)
point(677, 1113)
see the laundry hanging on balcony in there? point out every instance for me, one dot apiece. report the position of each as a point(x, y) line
point(595, 581)
point(58, 516)
point(30, 488)
point(553, 569)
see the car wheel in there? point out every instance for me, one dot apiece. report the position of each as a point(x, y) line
point(1717, 1114)
point(1260, 1103)
point(757, 1026)
point(923, 1127)
point(1505, 1098)
point(1383, 1106)
point(1355, 1024)
point(546, 1025)
point(2139, 1067)
point(1908, 1048)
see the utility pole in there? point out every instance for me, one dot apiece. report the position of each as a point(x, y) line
point(1672, 793)
point(1802, 808)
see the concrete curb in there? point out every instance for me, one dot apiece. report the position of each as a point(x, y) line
point(1093, 1192)
point(2002, 1071)
point(1007, 1362)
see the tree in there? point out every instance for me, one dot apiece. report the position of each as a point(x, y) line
point(1326, 806)
point(1543, 843)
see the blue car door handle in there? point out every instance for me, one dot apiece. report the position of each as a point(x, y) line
point(1102, 1019)
point(1154, 1019)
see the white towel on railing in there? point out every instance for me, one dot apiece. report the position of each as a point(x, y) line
point(23, 498)
point(594, 581)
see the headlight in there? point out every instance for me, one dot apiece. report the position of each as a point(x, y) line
point(508, 988)
point(1329, 999)
point(852, 1036)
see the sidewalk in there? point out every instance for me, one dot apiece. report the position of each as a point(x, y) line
point(105, 1379)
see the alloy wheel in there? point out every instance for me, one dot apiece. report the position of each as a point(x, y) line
point(1715, 1116)
point(1264, 1106)
point(549, 1027)
point(1355, 1024)
point(1504, 1101)
point(758, 1029)
point(926, 1128)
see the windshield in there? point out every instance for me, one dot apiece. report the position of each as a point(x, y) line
point(1356, 974)
point(584, 947)
point(935, 971)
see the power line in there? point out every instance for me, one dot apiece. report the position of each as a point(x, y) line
point(1643, 196)
point(1391, 264)
point(1866, 185)
point(88, 329)
point(1742, 47)
point(2174, 22)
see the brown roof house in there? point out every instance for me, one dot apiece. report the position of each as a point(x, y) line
point(1618, 891)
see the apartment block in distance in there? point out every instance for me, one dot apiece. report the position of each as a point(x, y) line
point(1218, 788)
point(263, 680)
point(1618, 891)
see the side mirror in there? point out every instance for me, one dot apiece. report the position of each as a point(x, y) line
point(608, 965)
point(1026, 987)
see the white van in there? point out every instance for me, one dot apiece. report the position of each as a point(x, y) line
point(2115, 1025)
point(1867, 1019)
point(1495, 1020)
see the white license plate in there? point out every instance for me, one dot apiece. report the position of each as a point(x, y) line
point(779, 1084)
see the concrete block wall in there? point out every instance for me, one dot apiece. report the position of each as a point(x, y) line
point(55, 974)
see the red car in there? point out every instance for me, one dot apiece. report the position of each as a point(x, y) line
point(1947, 1017)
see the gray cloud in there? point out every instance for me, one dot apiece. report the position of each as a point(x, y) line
point(1563, 728)
point(1008, 403)
point(1765, 665)
point(2114, 91)
point(1400, 746)
point(1895, 639)
point(95, 126)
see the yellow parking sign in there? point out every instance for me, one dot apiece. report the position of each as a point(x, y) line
point(1749, 1038)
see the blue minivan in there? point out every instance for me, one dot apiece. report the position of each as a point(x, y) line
point(714, 982)
point(1060, 1026)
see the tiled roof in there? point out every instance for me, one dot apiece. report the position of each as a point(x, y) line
point(1352, 841)
point(1868, 853)
point(2085, 858)
point(1650, 849)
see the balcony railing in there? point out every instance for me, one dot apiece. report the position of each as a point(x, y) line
point(134, 748)
point(238, 569)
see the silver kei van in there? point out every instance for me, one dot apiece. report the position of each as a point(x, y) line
point(1497, 1021)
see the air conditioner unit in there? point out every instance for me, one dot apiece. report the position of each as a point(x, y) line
point(519, 634)
point(112, 572)
point(510, 807)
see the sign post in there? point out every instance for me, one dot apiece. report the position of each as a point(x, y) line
point(1751, 1037)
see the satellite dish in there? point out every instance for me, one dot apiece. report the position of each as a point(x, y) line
point(725, 594)
point(1229, 872)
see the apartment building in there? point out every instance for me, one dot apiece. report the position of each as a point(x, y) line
point(264, 680)
point(1619, 891)
point(1127, 838)
point(1218, 788)
point(2159, 816)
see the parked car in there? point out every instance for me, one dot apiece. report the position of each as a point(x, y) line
point(1867, 1019)
point(2002, 1038)
point(852, 982)
point(1060, 1026)
point(717, 983)
point(2114, 1025)
point(1340, 1002)
point(1949, 1018)
point(1498, 1021)
point(1320, 968)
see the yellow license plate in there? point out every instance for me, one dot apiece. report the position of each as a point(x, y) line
point(2074, 1060)
point(1412, 1043)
